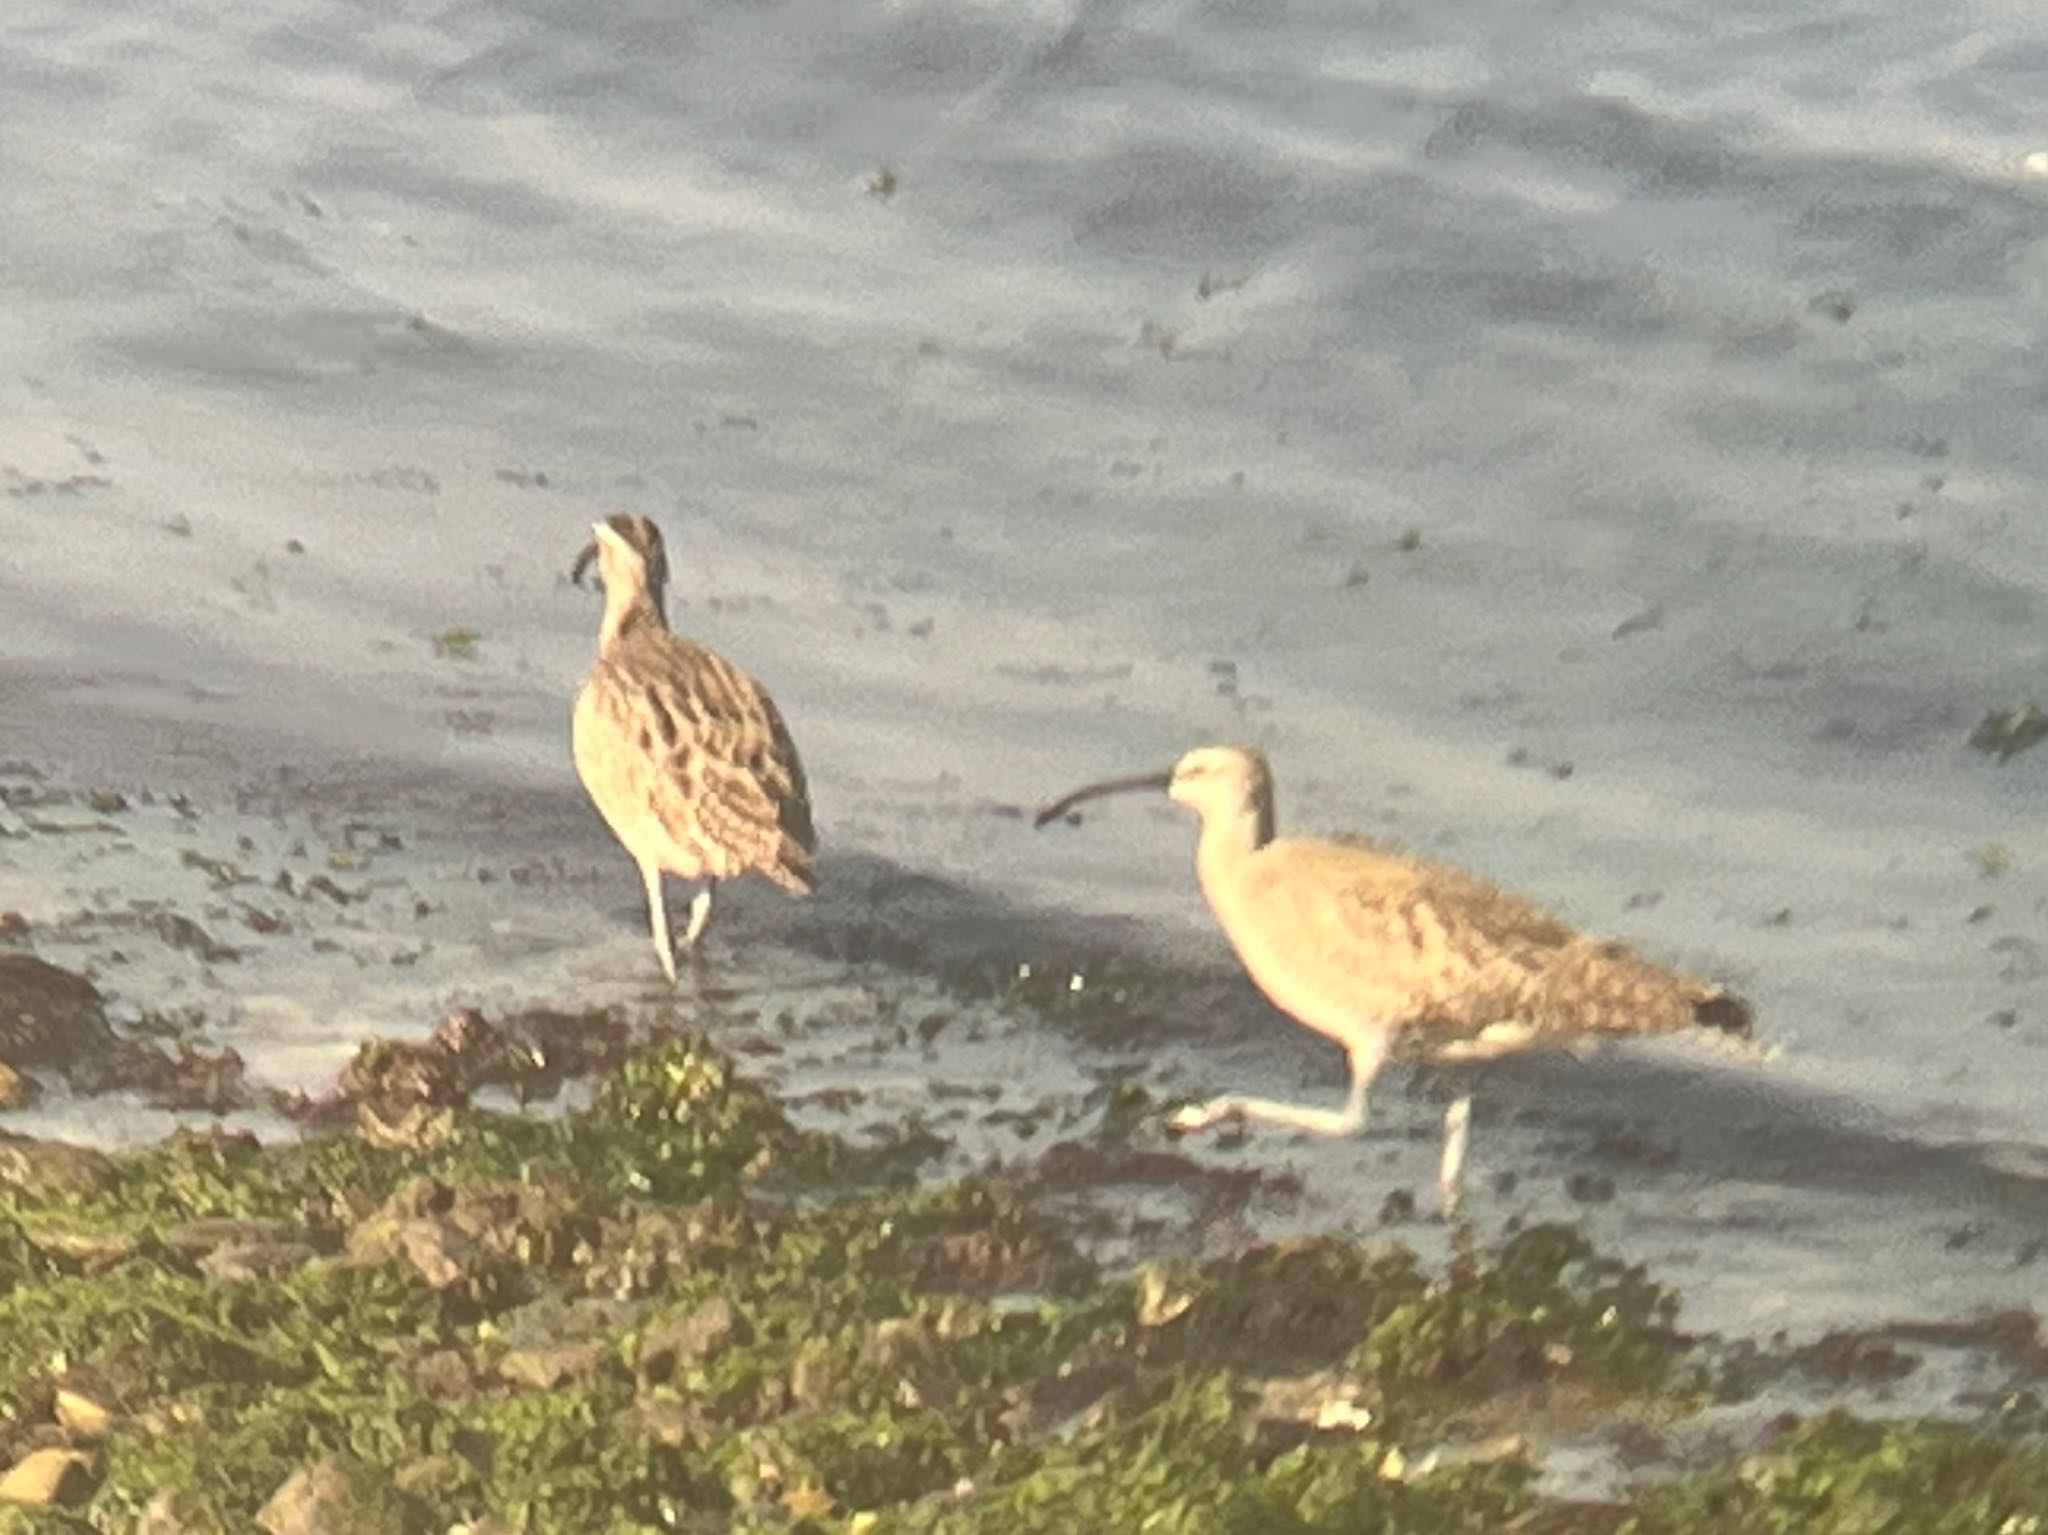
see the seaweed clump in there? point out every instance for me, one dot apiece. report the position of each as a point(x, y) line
point(1842, 1475)
point(674, 1311)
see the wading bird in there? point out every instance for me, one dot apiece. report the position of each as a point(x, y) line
point(1362, 944)
point(684, 755)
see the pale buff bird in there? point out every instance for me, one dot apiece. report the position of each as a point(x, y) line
point(686, 758)
point(1362, 944)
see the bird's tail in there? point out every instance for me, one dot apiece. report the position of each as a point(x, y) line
point(1725, 1011)
point(1599, 987)
point(793, 868)
point(794, 864)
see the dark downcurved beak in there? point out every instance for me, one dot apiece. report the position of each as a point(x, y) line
point(583, 563)
point(1156, 783)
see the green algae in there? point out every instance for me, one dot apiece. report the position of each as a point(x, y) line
point(1189, 1462)
point(457, 643)
point(1840, 1475)
point(672, 1310)
point(1547, 1309)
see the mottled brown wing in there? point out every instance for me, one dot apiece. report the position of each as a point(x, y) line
point(1498, 959)
point(1433, 946)
point(722, 777)
point(1506, 946)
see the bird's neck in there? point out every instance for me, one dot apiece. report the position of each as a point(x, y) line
point(632, 609)
point(1229, 838)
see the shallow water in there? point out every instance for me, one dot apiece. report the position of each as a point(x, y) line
point(1699, 348)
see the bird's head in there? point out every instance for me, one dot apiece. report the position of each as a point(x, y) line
point(629, 556)
point(1216, 782)
point(1224, 781)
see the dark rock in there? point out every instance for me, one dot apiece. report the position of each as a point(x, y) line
point(53, 1167)
point(667, 1421)
point(1219, 1193)
point(1006, 1250)
point(161, 1517)
point(1292, 1305)
point(417, 1127)
point(209, 1081)
point(2005, 733)
point(532, 1053)
point(195, 1238)
point(44, 1478)
point(95, 1250)
point(229, 1249)
point(1590, 1188)
point(432, 1475)
point(81, 1411)
point(2013, 1336)
point(434, 1247)
point(686, 1339)
point(1650, 618)
point(52, 1017)
point(391, 1077)
point(902, 1353)
point(540, 1225)
point(541, 1048)
point(16, 1090)
point(48, 1016)
point(1845, 1358)
point(340, 1496)
point(444, 1373)
point(241, 1262)
point(1836, 304)
point(548, 1365)
point(1101, 1370)
point(183, 933)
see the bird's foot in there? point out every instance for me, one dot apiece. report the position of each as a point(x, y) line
point(1192, 1117)
point(700, 914)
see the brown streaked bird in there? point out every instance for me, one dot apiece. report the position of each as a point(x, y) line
point(1362, 945)
point(684, 755)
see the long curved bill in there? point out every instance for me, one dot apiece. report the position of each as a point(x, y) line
point(583, 563)
point(1154, 782)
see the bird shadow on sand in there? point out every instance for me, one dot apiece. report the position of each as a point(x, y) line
point(1736, 1120)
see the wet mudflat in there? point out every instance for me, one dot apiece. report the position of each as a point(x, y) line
point(800, 1247)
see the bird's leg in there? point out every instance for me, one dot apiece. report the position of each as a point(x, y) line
point(1457, 1136)
point(657, 919)
point(1490, 1043)
point(700, 913)
point(1366, 1055)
